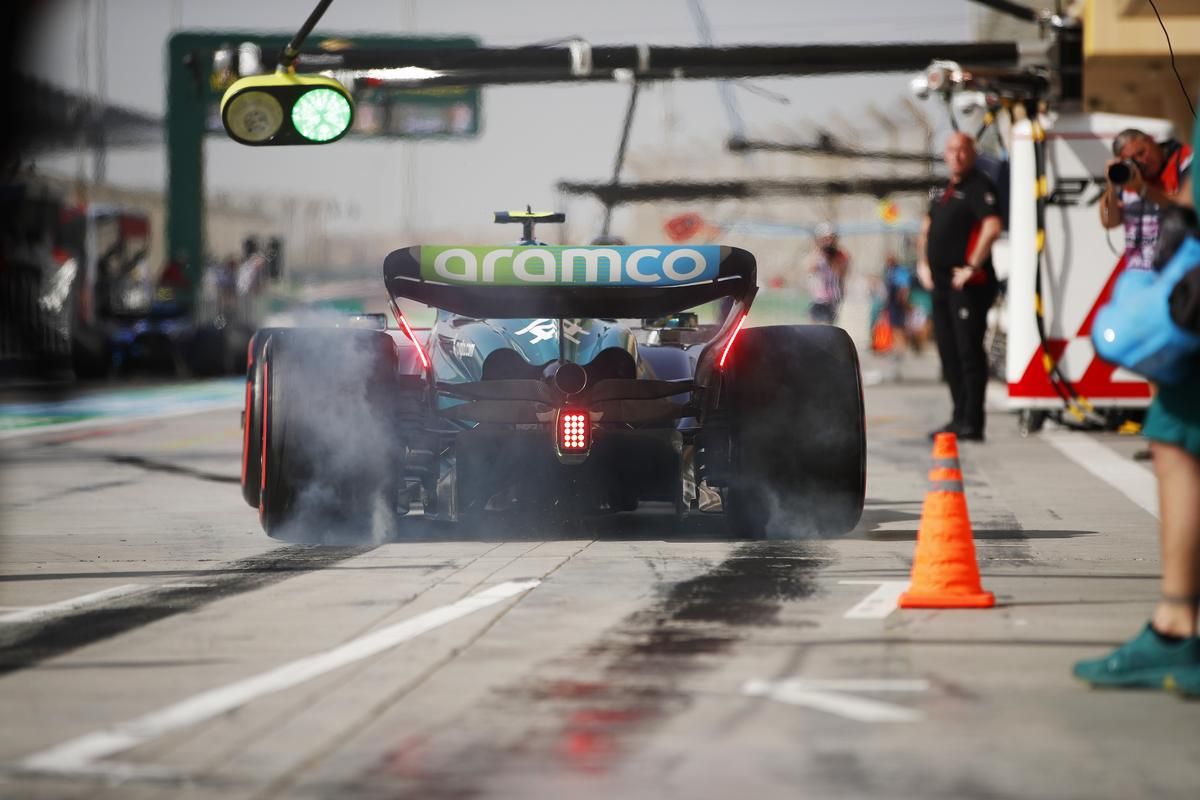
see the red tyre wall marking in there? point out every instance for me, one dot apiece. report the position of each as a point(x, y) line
point(262, 483)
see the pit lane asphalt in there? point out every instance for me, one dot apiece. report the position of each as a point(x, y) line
point(654, 658)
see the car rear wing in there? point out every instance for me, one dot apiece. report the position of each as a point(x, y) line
point(516, 281)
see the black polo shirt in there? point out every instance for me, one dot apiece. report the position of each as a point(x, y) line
point(956, 215)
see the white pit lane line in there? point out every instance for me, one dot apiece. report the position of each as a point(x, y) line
point(115, 422)
point(830, 696)
point(879, 603)
point(1131, 480)
point(62, 607)
point(78, 756)
point(24, 614)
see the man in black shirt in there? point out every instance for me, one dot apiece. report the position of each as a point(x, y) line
point(956, 266)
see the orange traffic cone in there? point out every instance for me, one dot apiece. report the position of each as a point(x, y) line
point(944, 573)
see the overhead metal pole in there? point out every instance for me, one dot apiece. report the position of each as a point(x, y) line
point(923, 123)
point(893, 132)
point(580, 61)
point(185, 123)
point(736, 126)
point(96, 118)
point(655, 191)
point(1016, 10)
point(292, 49)
point(620, 161)
point(806, 148)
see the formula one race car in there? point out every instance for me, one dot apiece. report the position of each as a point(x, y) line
point(537, 390)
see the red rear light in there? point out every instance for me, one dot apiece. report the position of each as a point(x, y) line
point(574, 431)
point(729, 345)
point(408, 331)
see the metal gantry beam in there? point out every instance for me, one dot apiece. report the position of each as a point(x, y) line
point(657, 191)
point(827, 149)
point(54, 118)
point(431, 65)
point(579, 61)
point(1015, 10)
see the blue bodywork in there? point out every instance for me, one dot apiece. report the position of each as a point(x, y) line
point(459, 346)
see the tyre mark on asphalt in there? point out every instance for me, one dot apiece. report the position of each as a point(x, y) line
point(203, 776)
point(171, 469)
point(1004, 543)
point(83, 755)
point(998, 535)
point(581, 714)
point(22, 646)
point(86, 488)
point(285, 785)
point(256, 732)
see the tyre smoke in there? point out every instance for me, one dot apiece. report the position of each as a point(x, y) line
point(332, 443)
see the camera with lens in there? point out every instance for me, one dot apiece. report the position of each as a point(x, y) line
point(1121, 172)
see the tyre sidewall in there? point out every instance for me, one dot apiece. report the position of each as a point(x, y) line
point(329, 446)
point(252, 437)
point(798, 431)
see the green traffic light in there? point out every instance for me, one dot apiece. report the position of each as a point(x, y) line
point(321, 114)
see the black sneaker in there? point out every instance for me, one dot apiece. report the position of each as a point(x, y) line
point(969, 435)
point(949, 427)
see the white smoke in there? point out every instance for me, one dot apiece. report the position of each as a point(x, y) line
point(339, 433)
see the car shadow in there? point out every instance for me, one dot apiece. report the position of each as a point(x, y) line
point(985, 535)
point(643, 525)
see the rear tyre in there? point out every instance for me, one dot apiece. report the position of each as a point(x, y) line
point(798, 432)
point(252, 414)
point(330, 461)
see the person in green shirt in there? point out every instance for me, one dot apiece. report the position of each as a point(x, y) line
point(1166, 653)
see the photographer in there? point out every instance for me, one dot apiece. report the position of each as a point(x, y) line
point(1166, 652)
point(1144, 178)
point(827, 275)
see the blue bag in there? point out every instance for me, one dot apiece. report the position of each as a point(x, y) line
point(1134, 329)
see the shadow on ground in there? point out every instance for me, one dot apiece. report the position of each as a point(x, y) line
point(980, 535)
point(645, 525)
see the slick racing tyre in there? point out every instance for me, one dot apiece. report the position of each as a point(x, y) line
point(329, 460)
point(252, 418)
point(798, 432)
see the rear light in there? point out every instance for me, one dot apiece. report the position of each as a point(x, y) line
point(408, 331)
point(574, 432)
point(729, 345)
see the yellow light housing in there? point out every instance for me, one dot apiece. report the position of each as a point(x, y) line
point(253, 117)
point(286, 109)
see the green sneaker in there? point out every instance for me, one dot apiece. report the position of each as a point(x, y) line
point(1185, 681)
point(1146, 662)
